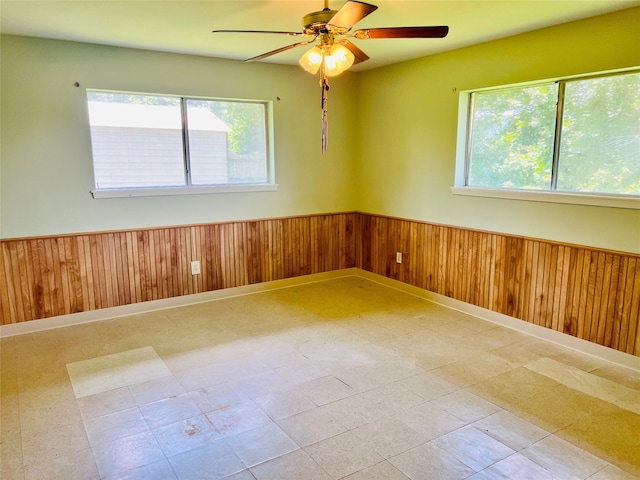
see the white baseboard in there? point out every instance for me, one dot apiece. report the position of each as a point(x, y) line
point(165, 303)
point(543, 333)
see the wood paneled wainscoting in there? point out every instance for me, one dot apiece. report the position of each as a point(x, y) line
point(49, 276)
point(589, 293)
point(585, 292)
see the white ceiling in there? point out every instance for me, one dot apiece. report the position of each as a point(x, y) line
point(185, 26)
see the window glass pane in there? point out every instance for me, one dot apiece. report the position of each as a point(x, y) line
point(136, 140)
point(512, 137)
point(600, 142)
point(227, 142)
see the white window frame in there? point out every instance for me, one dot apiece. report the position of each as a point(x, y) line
point(550, 196)
point(269, 185)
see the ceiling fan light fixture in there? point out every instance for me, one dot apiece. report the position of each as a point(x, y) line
point(312, 60)
point(338, 60)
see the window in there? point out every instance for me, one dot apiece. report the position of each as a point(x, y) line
point(577, 136)
point(151, 144)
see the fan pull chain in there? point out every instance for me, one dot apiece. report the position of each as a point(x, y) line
point(324, 83)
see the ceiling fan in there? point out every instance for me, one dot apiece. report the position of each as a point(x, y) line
point(333, 52)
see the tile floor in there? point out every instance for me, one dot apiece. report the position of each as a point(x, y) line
point(339, 379)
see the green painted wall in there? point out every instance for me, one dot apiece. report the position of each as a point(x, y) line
point(408, 126)
point(392, 142)
point(46, 154)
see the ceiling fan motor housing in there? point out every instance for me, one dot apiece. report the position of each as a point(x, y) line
point(316, 22)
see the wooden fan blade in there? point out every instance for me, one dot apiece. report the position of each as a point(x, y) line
point(279, 50)
point(359, 54)
point(294, 34)
point(402, 32)
point(350, 14)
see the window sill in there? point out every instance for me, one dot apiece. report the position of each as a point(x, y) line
point(164, 191)
point(600, 200)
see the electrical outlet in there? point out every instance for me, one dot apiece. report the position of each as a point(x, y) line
point(195, 267)
point(398, 257)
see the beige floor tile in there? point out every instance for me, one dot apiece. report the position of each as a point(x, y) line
point(379, 471)
point(372, 332)
point(98, 380)
point(261, 444)
point(465, 405)
point(311, 426)
point(261, 384)
point(473, 448)
point(475, 369)
point(493, 337)
point(10, 443)
point(441, 354)
point(393, 398)
point(515, 466)
point(58, 395)
point(216, 460)
point(541, 347)
point(46, 444)
point(105, 403)
point(515, 354)
point(243, 475)
point(169, 410)
point(428, 462)
point(449, 328)
point(156, 470)
point(115, 426)
point(419, 344)
point(354, 411)
point(284, 403)
point(154, 390)
point(218, 396)
point(195, 378)
point(302, 370)
point(80, 465)
point(13, 474)
point(337, 355)
point(377, 374)
point(630, 402)
point(430, 421)
point(429, 385)
point(513, 388)
point(469, 321)
point(48, 416)
point(109, 372)
point(389, 437)
point(343, 454)
point(401, 324)
point(326, 390)
point(238, 418)
point(611, 472)
point(291, 466)
point(563, 459)
point(186, 435)
point(560, 406)
point(613, 436)
point(579, 380)
point(180, 358)
point(584, 362)
point(616, 373)
point(127, 453)
point(511, 430)
point(274, 354)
